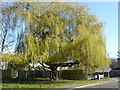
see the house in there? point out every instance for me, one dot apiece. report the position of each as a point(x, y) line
point(116, 71)
point(105, 70)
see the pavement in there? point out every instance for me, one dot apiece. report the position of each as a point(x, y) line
point(84, 85)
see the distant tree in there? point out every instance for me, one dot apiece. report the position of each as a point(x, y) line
point(114, 63)
point(118, 54)
point(9, 24)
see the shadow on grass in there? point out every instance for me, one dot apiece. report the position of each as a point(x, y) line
point(31, 81)
point(42, 81)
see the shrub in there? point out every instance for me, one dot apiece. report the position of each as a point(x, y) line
point(10, 73)
point(72, 74)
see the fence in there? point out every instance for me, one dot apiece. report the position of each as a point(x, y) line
point(25, 74)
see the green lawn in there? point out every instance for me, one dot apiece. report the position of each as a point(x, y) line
point(42, 83)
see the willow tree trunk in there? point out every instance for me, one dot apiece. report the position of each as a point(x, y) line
point(54, 73)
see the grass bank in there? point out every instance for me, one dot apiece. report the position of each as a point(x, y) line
point(43, 83)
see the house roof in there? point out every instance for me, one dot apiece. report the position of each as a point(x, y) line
point(103, 69)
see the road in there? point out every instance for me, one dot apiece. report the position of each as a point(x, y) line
point(113, 84)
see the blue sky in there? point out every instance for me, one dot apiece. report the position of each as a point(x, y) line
point(108, 13)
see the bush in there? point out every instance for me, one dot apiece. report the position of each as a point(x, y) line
point(9, 73)
point(72, 74)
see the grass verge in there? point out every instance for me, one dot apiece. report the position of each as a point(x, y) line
point(43, 83)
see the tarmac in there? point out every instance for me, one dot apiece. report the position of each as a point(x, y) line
point(71, 87)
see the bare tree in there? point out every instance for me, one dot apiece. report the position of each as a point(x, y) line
point(9, 24)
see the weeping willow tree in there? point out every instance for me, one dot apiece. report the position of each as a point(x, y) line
point(62, 34)
point(67, 35)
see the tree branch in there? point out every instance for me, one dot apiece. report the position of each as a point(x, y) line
point(43, 65)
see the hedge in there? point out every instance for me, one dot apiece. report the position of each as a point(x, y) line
point(10, 73)
point(72, 74)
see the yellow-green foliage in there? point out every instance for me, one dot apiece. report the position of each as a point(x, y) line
point(16, 60)
point(62, 31)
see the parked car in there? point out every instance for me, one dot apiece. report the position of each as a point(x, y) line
point(95, 76)
point(92, 76)
point(100, 76)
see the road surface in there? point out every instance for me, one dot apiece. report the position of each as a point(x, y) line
point(113, 84)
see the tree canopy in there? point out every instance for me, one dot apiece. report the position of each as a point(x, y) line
point(60, 34)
